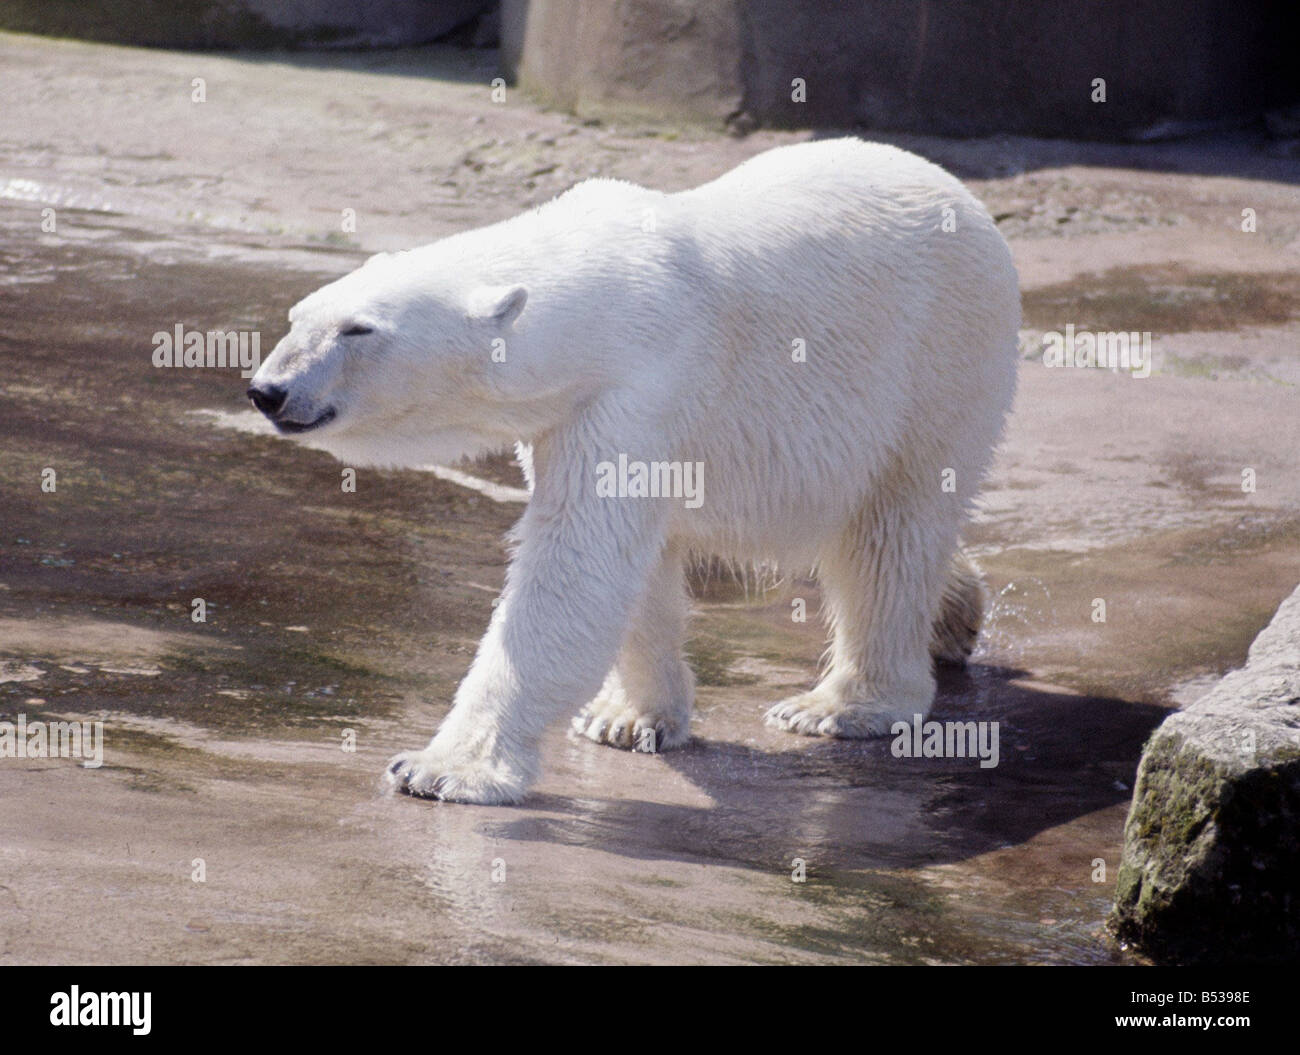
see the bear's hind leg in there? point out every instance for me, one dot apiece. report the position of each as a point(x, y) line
point(646, 702)
point(882, 580)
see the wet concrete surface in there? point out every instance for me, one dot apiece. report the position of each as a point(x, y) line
point(339, 619)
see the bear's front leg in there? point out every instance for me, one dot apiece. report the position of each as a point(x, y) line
point(581, 565)
point(645, 704)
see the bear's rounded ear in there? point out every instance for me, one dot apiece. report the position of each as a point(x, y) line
point(498, 304)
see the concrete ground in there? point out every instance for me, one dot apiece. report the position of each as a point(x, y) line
point(345, 619)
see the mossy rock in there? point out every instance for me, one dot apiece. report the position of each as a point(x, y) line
point(1211, 865)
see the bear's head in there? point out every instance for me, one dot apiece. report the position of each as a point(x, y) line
point(398, 363)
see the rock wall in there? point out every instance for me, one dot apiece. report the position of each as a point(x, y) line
point(958, 69)
point(244, 23)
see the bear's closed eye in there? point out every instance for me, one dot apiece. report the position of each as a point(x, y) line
point(357, 330)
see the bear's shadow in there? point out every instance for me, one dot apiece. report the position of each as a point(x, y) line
point(853, 804)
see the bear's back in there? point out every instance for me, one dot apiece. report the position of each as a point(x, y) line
point(818, 196)
point(840, 320)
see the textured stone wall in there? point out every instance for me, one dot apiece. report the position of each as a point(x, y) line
point(1024, 66)
point(244, 23)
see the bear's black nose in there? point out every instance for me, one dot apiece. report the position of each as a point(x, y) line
point(267, 398)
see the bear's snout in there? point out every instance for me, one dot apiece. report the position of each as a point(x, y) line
point(269, 399)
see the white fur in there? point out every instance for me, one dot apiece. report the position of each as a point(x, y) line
point(661, 326)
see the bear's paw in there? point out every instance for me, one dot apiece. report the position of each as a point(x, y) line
point(428, 775)
point(612, 720)
point(820, 714)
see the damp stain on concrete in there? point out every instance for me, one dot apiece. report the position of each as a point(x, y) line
point(1168, 299)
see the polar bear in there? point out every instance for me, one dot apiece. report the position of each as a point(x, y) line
point(821, 342)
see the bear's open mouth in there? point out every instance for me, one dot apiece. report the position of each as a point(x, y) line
point(301, 426)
